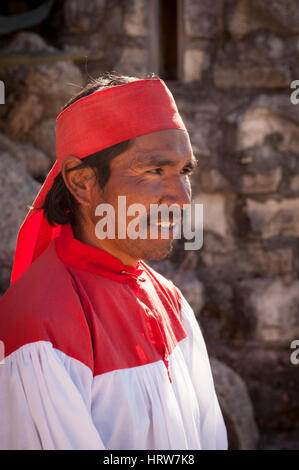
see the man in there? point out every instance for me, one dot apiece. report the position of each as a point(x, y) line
point(102, 352)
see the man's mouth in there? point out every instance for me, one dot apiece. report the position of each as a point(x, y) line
point(165, 224)
point(158, 225)
point(166, 229)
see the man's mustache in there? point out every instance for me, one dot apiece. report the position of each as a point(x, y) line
point(158, 217)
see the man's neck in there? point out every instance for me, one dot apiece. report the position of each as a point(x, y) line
point(85, 233)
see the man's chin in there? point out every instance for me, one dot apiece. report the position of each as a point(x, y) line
point(158, 253)
point(147, 250)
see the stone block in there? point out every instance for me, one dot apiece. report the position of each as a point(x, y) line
point(45, 87)
point(23, 115)
point(294, 183)
point(236, 406)
point(274, 307)
point(135, 18)
point(195, 62)
point(53, 85)
point(95, 46)
point(260, 123)
point(82, 17)
point(246, 76)
point(202, 18)
point(250, 260)
point(17, 191)
point(274, 218)
point(212, 180)
point(252, 15)
point(42, 136)
point(280, 104)
point(261, 183)
point(36, 162)
point(133, 61)
point(214, 213)
point(286, 13)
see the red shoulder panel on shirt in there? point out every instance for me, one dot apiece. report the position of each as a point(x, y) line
point(105, 324)
point(43, 305)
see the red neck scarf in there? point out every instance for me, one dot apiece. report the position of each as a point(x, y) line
point(94, 260)
point(93, 123)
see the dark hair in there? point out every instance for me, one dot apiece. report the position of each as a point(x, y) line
point(60, 206)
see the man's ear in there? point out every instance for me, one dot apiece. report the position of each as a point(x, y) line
point(78, 181)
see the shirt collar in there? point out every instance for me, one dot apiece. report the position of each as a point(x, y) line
point(77, 254)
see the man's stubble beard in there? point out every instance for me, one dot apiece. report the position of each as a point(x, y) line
point(148, 250)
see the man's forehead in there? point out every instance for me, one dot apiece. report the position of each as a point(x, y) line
point(158, 156)
point(165, 137)
point(161, 148)
point(167, 143)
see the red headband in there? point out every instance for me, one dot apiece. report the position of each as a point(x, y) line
point(93, 123)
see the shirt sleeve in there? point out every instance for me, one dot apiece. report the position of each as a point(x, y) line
point(213, 429)
point(45, 401)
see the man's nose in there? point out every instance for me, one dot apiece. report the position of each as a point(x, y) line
point(177, 191)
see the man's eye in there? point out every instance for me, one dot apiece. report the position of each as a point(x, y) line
point(155, 171)
point(187, 171)
point(158, 171)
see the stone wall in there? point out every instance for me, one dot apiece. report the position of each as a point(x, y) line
point(237, 60)
point(244, 130)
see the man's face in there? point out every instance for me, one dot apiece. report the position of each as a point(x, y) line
point(154, 170)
